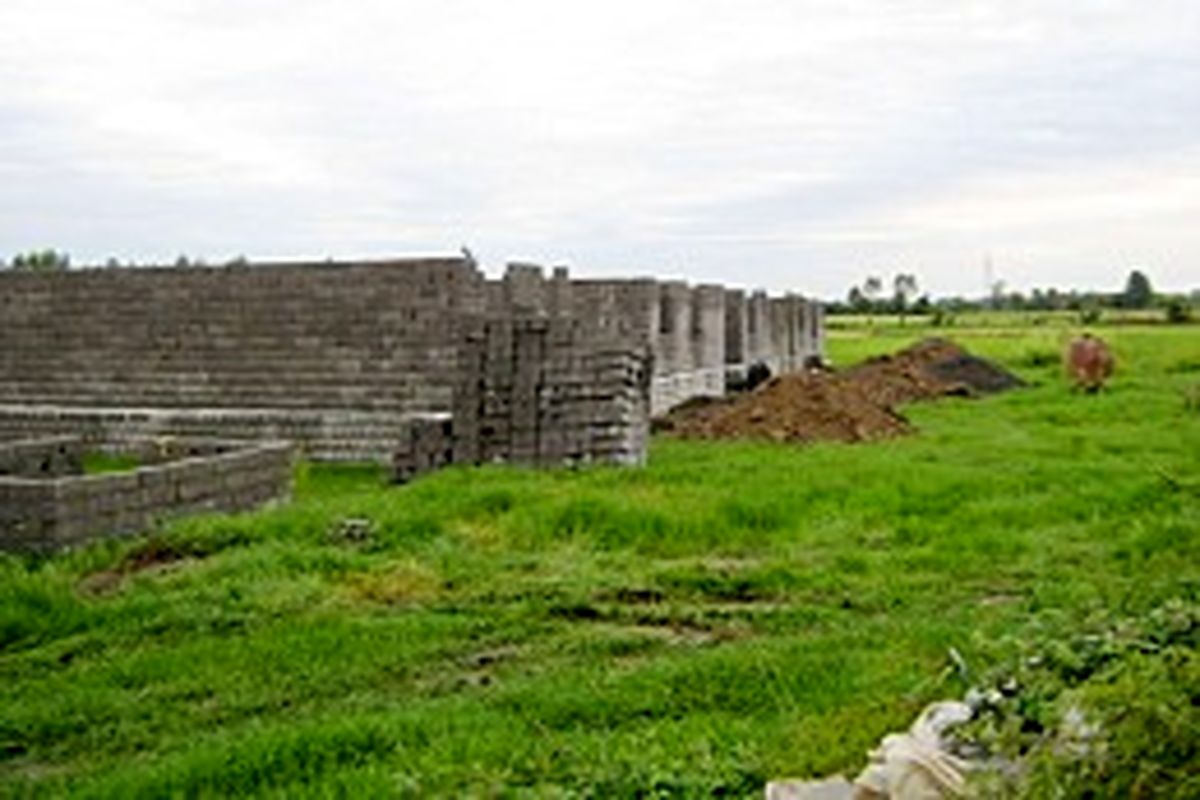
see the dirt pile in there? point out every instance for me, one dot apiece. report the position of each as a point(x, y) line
point(855, 405)
point(927, 370)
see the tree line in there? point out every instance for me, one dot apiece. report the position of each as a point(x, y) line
point(39, 261)
point(869, 297)
point(51, 260)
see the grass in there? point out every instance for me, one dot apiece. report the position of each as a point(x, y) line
point(96, 462)
point(732, 613)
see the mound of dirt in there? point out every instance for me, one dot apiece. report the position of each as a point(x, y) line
point(790, 408)
point(975, 375)
point(854, 405)
point(927, 370)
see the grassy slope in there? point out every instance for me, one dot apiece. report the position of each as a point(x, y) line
point(731, 613)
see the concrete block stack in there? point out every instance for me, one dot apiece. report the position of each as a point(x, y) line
point(539, 391)
point(427, 445)
point(550, 395)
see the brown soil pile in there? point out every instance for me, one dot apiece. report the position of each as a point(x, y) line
point(855, 405)
point(927, 370)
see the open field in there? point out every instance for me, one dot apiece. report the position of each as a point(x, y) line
point(732, 613)
point(953, 321)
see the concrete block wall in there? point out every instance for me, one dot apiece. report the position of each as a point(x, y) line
point(427, 445)
point(50, 457)
point(708, 339)
point(759, 348)
point(816, 330)
point(781, 332)
point(27, 514)
point(737, 332)
point(297, 335)
point(322, 434)
point(332, 342)
point(697, 333)
point(339, 357)
point(674, 353)
point(46, 513)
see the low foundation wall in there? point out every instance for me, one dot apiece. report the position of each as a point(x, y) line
point(47, 513)
point(42, 458)
point(320, 434)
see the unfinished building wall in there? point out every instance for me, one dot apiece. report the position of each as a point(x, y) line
point(331, 341)
point(777, 335)
point(816, 330)
point(737, 332)
point(708, 340)
point(697, 334)
point(674, 357)
point(338, 357)
point(760, 347)
point(360, 336)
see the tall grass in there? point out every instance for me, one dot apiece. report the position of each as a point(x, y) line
point(730, 613)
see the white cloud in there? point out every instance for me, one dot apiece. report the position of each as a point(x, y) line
point(763, 142)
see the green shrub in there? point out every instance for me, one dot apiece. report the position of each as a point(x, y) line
point(1178, 311)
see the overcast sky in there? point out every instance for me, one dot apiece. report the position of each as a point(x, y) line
point(797, 144)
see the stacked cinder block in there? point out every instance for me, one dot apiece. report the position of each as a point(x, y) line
point(46, 503)
point(539, 391)
point(427, 445)
point(543, 391)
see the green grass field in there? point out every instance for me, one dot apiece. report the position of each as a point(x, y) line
point(732, 613)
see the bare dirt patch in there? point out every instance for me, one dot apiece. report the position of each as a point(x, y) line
point(153, 556)
point(854, 405)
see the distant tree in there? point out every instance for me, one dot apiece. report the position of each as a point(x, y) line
point(871, 289)
point(856, 300)
point(835, 308)
point(1138, 292)
point(41, 261)
point(997, 294)
point(872, 286)
point(904, 286)
point(1179, 310)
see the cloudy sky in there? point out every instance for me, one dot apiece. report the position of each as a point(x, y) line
point(798, 144)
